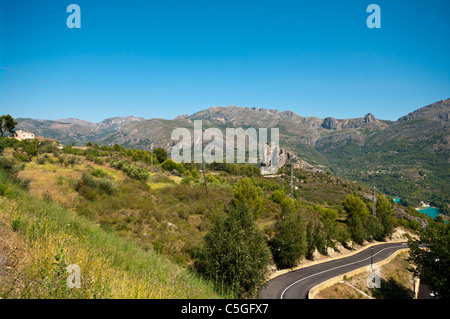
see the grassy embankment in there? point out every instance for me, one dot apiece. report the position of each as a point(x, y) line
point(53, 237)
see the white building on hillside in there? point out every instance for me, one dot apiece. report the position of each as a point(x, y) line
point(22, 135)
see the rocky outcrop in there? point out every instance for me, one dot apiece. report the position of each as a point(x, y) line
point(400, 213)
point(369, 118)
point(329, 123)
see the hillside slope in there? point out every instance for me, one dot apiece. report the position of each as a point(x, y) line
point(406, 158)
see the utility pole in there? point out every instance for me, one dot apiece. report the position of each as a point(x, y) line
point(151, 153)
point(292, 179)
point(371, 259)
point(374, 201)
point(204, 178)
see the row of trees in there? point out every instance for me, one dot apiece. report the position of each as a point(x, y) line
point(362, 225)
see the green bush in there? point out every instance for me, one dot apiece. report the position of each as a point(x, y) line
point(135, 172)
point(213, 180)
point(99, 161)
point(90, 188)
point(20, 157)
point(187, 180)
point(105, 186)
point(4, 190)
point(99, 173)
point(277, 196)
point(169, 165)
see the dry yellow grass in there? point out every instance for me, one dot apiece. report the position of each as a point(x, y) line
point(110, 267)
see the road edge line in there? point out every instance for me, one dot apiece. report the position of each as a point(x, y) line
point(313, 263)
point(327, 283)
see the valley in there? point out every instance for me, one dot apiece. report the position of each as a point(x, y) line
point(163, 210)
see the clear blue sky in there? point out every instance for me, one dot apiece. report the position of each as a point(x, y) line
point(165, 58)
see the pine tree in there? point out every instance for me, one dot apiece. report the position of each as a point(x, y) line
point(249, 193)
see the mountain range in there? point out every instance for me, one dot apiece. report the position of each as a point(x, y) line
point(408, 157)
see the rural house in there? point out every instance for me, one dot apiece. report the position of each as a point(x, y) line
point(22, 135)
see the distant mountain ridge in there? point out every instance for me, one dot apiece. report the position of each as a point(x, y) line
point(295, 129)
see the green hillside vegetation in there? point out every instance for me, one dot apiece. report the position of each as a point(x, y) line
point(407, 158)
point(150, 231)
point(396, 166)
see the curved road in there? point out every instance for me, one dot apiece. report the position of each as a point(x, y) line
point(296, 284)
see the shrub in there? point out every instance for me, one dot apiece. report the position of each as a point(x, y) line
point(187, 180)
point(8, 166)
point(89, 187)
point(277, 196)
point(72, 161)
point(99, 161)
point(169, 165)
point(160, 178)
point(105, 186)
point(212, 180)
point(20, 157)
point(132, 171)
point(4, 190)
point(98, 173)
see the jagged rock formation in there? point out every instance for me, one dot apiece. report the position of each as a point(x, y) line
point(329, 123)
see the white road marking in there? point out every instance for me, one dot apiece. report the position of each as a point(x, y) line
point(355, 262)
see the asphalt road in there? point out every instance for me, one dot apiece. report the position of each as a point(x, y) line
point(296, 284)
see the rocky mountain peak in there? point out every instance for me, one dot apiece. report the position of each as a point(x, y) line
point(369, 118)
point(329, 123)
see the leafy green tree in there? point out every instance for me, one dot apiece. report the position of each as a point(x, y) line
point(374, 228)
point(357, 216)
point(289, 242)
point(315, 238)
point(7, 124)
point(328, 220)
point(310, 242)
point(432, 260)
point(161, 154)
point(247, 192)
point(385, 214)
point(235, 254)
point(31, 149)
